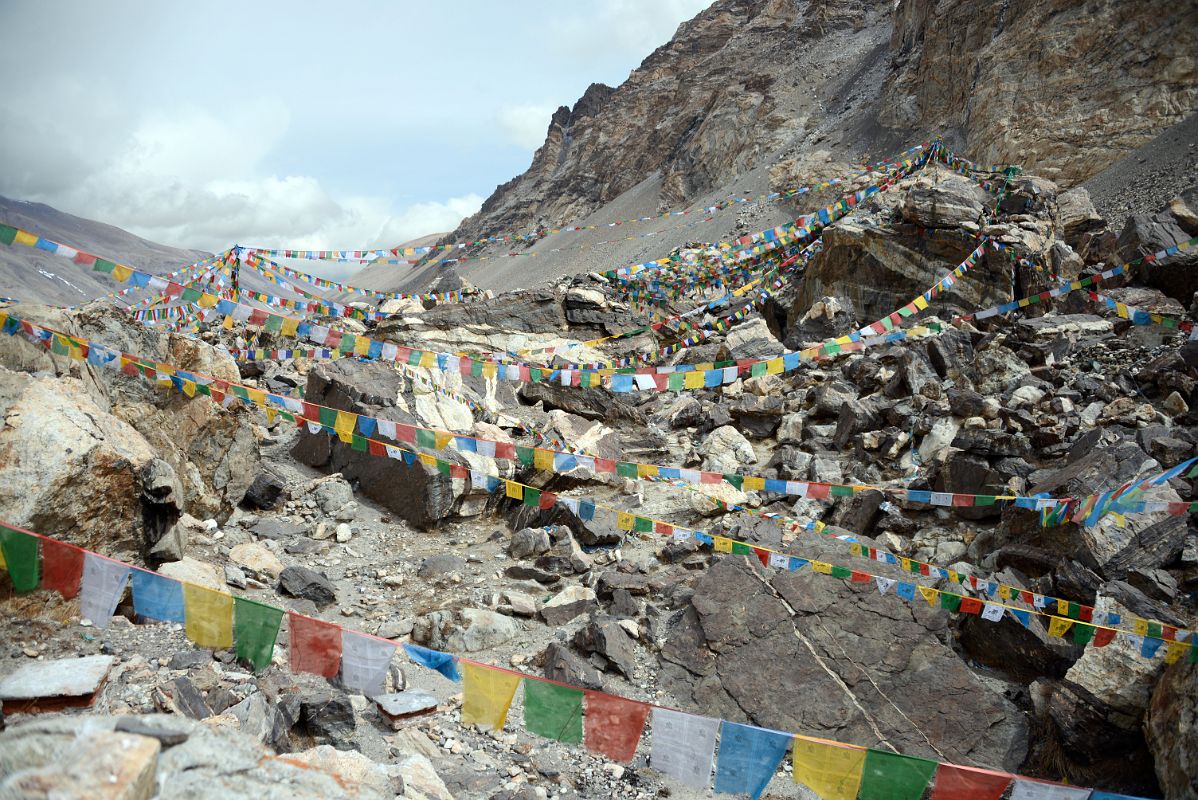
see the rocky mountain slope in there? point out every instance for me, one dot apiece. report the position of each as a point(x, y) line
point(1063, 89)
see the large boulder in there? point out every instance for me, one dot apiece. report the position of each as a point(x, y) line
point(870, 669)
point(68, 469)
point(1171, 728)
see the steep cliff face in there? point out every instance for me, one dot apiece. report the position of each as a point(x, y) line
point(1064, 88)
point(736, 83)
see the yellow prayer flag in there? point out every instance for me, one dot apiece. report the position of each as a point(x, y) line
point(489, 370)
point(1058, 625)
point(773, 366)
point(721, 544)
point(831, 771)
point(929, 594)
point(646, 471)
point(345, 424)
point(227, 324)
point(753, 484)
point(257, 396)
point(920, 302)
point(822, 567)
point(189, 388)
point(207, 300)
point(855, 549)
point(1174, 651)
point(25, 237)
point(693, 380)
point(625, 520)
point(906, 564)
point(428, 359)
point(441, 440)
point(513, 490)
point(361, 346)
point(1063, 607)
point(428, 461)
point(209, 617)
point(290, 326)
point(121, 273)
point(2, 564)
point(542, 459)
point(1140, 626)
point(486, 696)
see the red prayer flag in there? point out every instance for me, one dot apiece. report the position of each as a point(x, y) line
point(970, 605)
point(613, 725)
point(62, 568)
point(1103, 637)
point(967, 783)
point(860, 577)
point(762, 555)
point(818, 491)
point(547, 500)
point(315, 645)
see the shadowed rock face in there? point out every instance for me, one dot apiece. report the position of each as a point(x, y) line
point(860, 667)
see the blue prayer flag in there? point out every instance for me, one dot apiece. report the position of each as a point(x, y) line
point(156, 597)
point(748, 758)
point(433, 659)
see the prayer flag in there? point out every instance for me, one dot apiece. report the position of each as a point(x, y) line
point(364, 662)
point(748, 758)
point(1035, 790)
point(832, 771)
point(208, 616)
point(255, 628)
point(552, 711)
point(101, 588)
point(683, 746)
point(20, 556)
point(157, 597)
point(614, 725)
point(487, 695)
point(891, 776)
point(967, 783)
point(62, 567)
point(443, 663)
point(315, 646)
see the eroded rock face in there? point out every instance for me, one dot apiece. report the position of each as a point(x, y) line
point(869, 669)
point(1171, 728)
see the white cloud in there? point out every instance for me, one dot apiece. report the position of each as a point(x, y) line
point(192, 179)
point(525, 125)
point(631, 27)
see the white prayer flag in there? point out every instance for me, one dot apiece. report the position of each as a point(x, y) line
point(779, 561)
point(884, 584)
point(1034, 790)
point(992, 612)
point(386, 428)
point(101, 589)
point(683, 746)
point(364, 662)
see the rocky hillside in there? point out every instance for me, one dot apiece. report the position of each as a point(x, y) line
point(749, 83)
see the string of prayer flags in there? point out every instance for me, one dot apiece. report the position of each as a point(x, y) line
point(1025, 789)
point(315, 646)
point(487, 695)
point(158, 597)
point(62, 567)
point(255, 630)
point(101, 588)
point(435, 660)
point(683, 746)
point(20, 557)
point(208, 616)
point(832, 771)
point(364, 662)
point(552, 711)
point(892, 776)
point(614, 725)
point(968, 783)
point(749, 757)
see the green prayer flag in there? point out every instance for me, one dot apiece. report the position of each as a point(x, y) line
point(348, 341)
point(952, 602)
point(273, 323)
point(643, 525)
point(426, 439)
point(841, 572)
point(1154, 630)
point(758, 369)
point(8, 234)
point(443, 467)
point(1082, 633)
point(532, 497)
point(255, 627)
point(890, 776)
point(734, 480)
point(676, 383)
point(1074, 611)
point(191, 295)
point(984, 500)
point(554, 712)
point(20, 554)
point(328, 416)
point(358, 443)
point(103, 266)
point(841, 491)
point(626, 469)
point(741, 549)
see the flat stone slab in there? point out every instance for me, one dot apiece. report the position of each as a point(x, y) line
point(278, 529)
point(62, 678)
point(405, 704)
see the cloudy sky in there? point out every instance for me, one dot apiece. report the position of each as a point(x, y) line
point(304, 124)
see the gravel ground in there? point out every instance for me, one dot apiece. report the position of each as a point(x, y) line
point(1148, 178)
